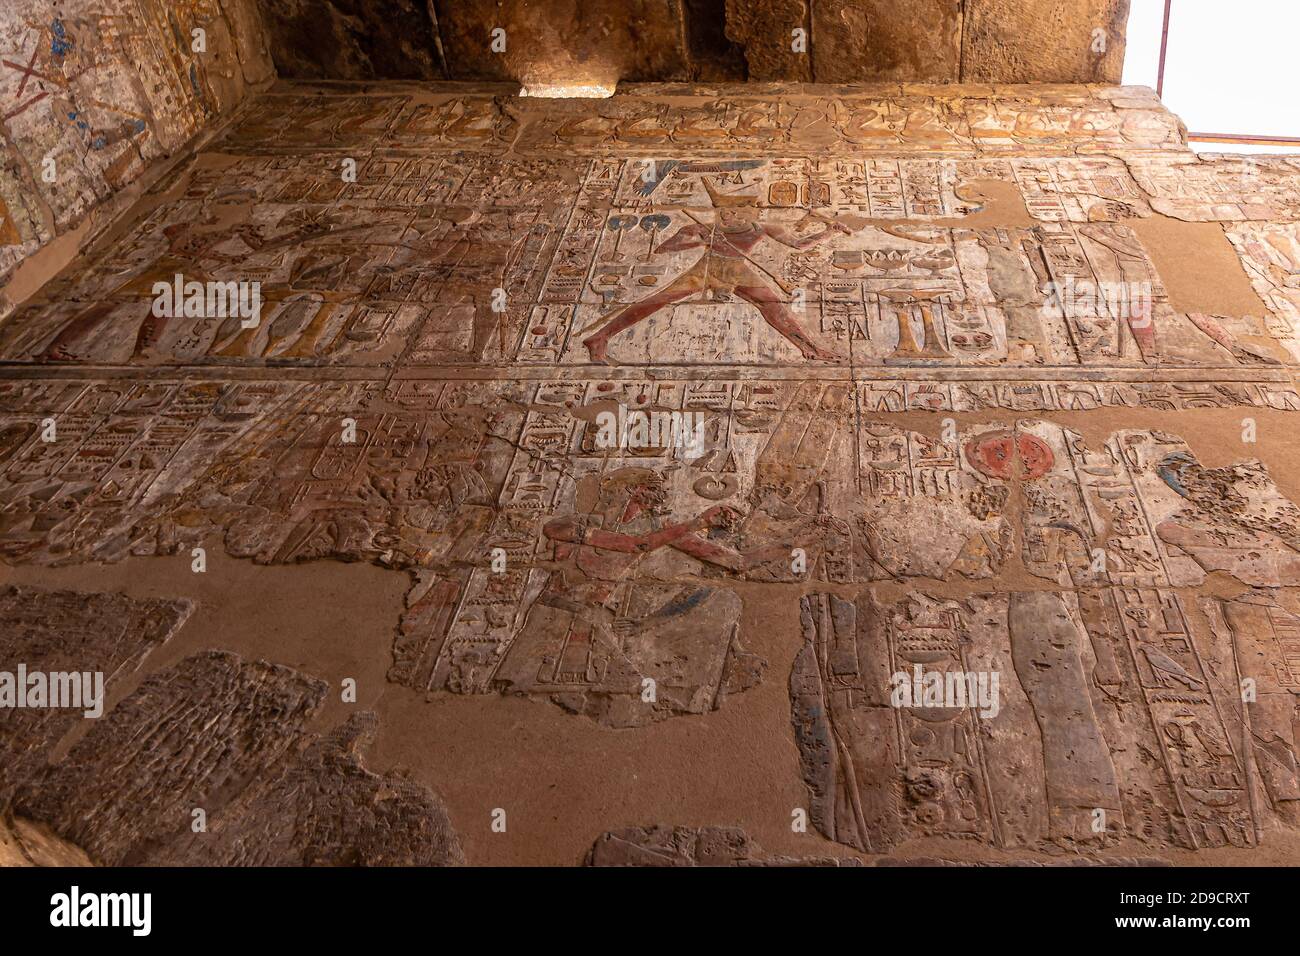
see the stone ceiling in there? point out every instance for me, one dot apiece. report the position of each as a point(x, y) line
point(573, 43)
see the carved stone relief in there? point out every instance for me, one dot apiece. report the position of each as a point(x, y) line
point(646, 398)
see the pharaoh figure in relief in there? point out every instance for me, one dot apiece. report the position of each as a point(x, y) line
point(727, 269)
point(598, 629)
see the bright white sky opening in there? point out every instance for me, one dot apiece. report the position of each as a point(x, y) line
point(1231, 67)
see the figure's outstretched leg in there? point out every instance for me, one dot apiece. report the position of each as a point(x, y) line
point(779, 317)
point(687, 284)
point(1143, 328)
point(1243, 352)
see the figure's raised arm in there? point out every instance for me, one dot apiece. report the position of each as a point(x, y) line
point(687, 237)
point(785, 236)
point(724, 517)
point(575, 531)
point(572, 530)
point(729, 558)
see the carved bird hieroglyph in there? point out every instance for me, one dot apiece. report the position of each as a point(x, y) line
point(1167, 670)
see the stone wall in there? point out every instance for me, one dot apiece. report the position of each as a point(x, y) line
point(94, 94)
point(988, 380)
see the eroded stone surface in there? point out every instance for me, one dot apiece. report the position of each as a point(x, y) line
point(187, 734)
point(228, 737)
point(597, 42)
point(324, 808)
point(765, 32)
point(23, 843)
point(69, 632)
point(1108, 707)
point(565, 45)
point(1256, 638)
point(1219, 188)
point(929, 861)
point(691, 846)
point(346, 39)
point(1051, 41)
point(917, 42)
point(655, 846)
